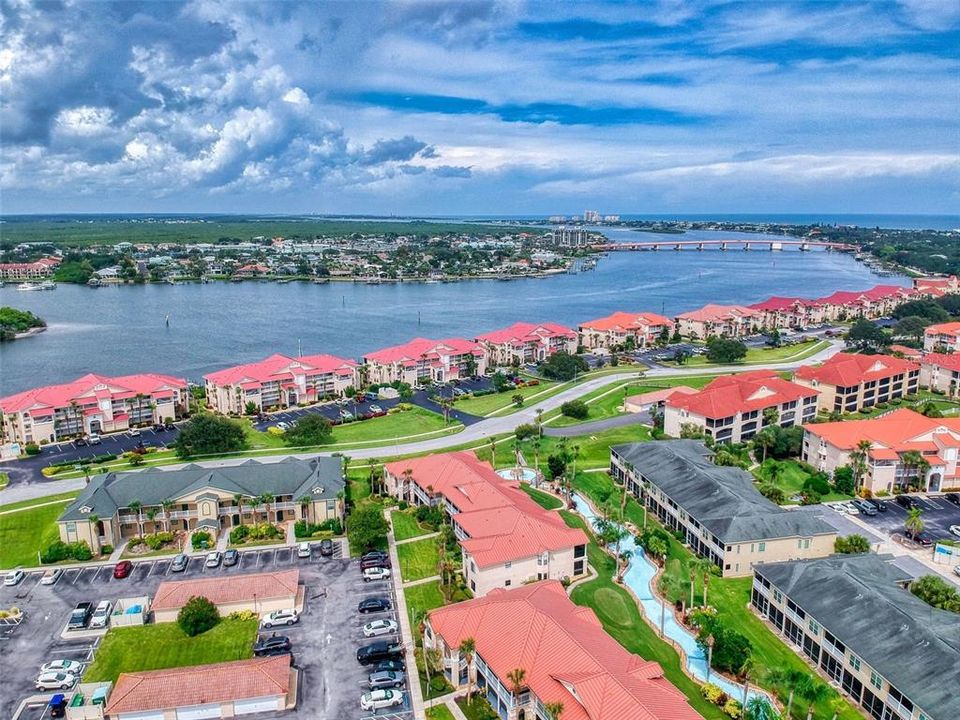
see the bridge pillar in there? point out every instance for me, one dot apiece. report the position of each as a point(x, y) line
point(678, 247)
point(776, 246)
point(746, 247)
point(699, 246)
point(804, 247)
point(723, 246)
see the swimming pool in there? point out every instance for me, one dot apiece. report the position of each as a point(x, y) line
point(527, 475)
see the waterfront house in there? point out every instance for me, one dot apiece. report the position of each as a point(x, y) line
point(524, 343)
point(422, 361)
point(279, 381)
point(38, 270)
point(937, 286)
point(719, 511)
point(252, 270)
point(733, 408)
point(567, 655)
point(624, 329)
point(784, 313)
point(941, 372)
point(897, 441)
point(719, 321)
point(506, 538)
point(942, 338)
point(117, 506)
point(876, 302)
point(92, 404)
point(848, 383)
point(854, 618)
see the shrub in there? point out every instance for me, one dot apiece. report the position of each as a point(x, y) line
point(242, 615)
point(240, 532)
point(158, 540)
point(201, 539)
point(31, 449)
point(733, 708)
point(818, 483)
point(58, 551)
point(526, 431)
point(429, 515)
point(851, 544)
point(197, 616)
point(576, 409)
point(712, 693)
point(106, 549)
point(50, 470)
point(303, 529)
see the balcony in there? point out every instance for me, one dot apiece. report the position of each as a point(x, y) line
point(183, 514)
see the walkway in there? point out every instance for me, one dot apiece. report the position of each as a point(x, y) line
point(598, 425)
point(418, 537)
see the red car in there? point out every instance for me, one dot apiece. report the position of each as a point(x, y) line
point(122, 569)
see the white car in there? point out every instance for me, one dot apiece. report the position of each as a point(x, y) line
point(280, 617)
point(213, 559)
point(283, 426)
point(101, 615)
point(134, 432)
point(304, 550)
point(56, 681)
point(51, 576)
point(62, 666)
point(955, 530)
point(850, 509)
point(376, 573)
point(380, 699)
point(14, 577)
point(376, 409)
point(94, 439)
point(379, 627)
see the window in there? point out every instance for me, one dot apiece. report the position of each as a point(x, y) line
point(763, 547)
point(777, 595)
point(507, 583)
point(876, 680)
point(814, 626)
point(508, 564)
point(854, 662)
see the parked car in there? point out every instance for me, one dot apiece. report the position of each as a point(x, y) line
point(134, 432)
point(377, 699)
point(122, 569)
point(168, 425)
point(867, 508)
point(159, 427)
point(179, 563)
point(372, 605)
point(346, 415)
point(376, 573)
point(952, 498)
point(283, 426)
point(374, 555)
point(850, 509)
point(14, 577)
point(64, 666)
point(51, 576)
point(231, 557)
point(213, 559)
point(956, 569)
point(921, 538)
point(58, 706)
point(280, 617)
point(880, 505)
point(372, 397)
point(385, 679)
point(906, 501)
point(376, 628)
point(375, 563)
point(376, 409)
point(101, 615)
point(304, 550)
point(955, 530)
point(80, 442)
point(93, 439)
point(378, 651)
point(326, 547)
point(277, 645)
point(56, 681)
point(395, 665)
point(80, 616)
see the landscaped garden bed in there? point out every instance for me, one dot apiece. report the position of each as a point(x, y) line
point(259, 534)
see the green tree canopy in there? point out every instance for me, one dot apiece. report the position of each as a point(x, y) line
point(851, 545)
point(935, 591)
point(197, 616)
point(208, 434)
point(563, 366)
point(725, 350)
point(865, 335)
point(929, 310)
point(310, 429)
point(911, 326)
point(367, 528)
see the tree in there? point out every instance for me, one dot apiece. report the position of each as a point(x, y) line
point(772, 492)
point(500, 382)
point(209, 434)
point(928, 310)
point(467, 647)
point(554, 709)
point(936, 592)
point(913, 460)
point(516, 678)
point(265, 499)
point(725, 350)
point(759, 708)
point(858, 461)
point(731, 648)
point(864, 335)
point(525, 431)
point(137, 506)
point(517, 399)
point(681, 355)
point(556, 465)
point(914, 522)
point(167, 506)
point(911, 327)
point(310, 429)
point(765, 439)
point(367, 528)
point(576, 409)
point(197, 616)
point(851, 545)
point(563, 366)
point(843, 482)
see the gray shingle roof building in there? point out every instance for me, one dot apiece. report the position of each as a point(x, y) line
point(860, 600)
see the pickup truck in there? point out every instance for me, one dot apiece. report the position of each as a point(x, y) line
point(80, 616)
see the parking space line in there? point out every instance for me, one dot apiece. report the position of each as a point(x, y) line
point(97, 573)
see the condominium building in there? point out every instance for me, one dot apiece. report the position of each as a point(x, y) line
point(523, 343)
point(117, 506)
point(941, 372)
point(734, 408)
point(570, 236)
point(937, 286)
point(278, 382)
point(719, 321)
point(896, 442)
point(92, 404)
point(719, 511)
point(785, 313)
point(942, 338)
point(852, 617)
point(624, 329)
point(506, 539)
point(876, 302)
point(39, 270)
point(422, 360)
point(568, 658)
point(848, 383)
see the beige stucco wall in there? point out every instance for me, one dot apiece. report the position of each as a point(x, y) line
point(482, 580)
point(743, 556)
point(934, 377)
point(260, 607)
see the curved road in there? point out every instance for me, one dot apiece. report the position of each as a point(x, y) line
point(24, 488)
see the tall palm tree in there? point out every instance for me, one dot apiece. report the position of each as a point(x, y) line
point(554, 709)
point(137, 506)
point(771, 416)
point(431, 661)
point(167, 506)
point(535, 447)
point(376, 475)
point(305, 502)
point(539, 422)
point(914, 523)
point(238, 499)
point(266, 499)
point(407, 478)
point(152, 515)
point(93, 520)
point(858, 460)
point(913, 460)
point(468, 647)
point(516, 678)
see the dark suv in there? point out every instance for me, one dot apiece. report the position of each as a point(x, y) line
point(80, 616)
point(277, 645)
point(952, 498)
point(906, 501)
point(381, 650)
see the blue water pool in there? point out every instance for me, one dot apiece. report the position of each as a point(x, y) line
point(527, 475)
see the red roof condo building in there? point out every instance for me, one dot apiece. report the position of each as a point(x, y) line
point(505, 537)
point(92, 404)
point(732, 408)
point(426, 360)
point(567, 656)
point(528, 343)
point(896, 442)
point(941, 372)
point(937, 286)
point(848, 383)
point(279, 381)
point(873, 303)
point(624, 329)
point(784, 313)
point(942, 338)
point(719, 320)
point(38, 270)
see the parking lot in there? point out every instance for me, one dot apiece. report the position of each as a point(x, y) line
point(938, 516)
point(325, 640)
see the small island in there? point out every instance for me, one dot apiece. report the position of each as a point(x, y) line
point(16, 324)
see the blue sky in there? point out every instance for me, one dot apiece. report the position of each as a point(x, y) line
point(480, 107)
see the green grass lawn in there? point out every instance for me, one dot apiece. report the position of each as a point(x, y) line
point(477, 708)
point(544, 500)
point(418, 559)
point(439, 712)
point(28, 530)
point(123, 649)
point(405, 525)
point(38, 501)
point(425, 597)
point(4, 480)
point(594, 449)
point(490, 403)
point(758, 356)
point(791, 479)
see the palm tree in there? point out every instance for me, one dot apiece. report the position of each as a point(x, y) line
point(554, 709)
point(913, 460)
point(703, 568)
point(858, 460)
point(799, 683)
point(238, 499)
point(914, 523)
point(267, 499)
point(376, 475)
point(305, 502)
point(136, 506)
point(167, 506)
point(93, 520)
point(540, 422)
point(431, 661)
point(467, 647)
point(152, 515)
point(759, 708)
point(516, 678)
point(535, 447)
point(771, 416)
point(407, 478)
point(139, 398)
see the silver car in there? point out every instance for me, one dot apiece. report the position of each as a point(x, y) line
point(386, 679)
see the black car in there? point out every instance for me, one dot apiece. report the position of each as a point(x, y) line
point(390, 666)
point(380, 650)
point(179, 563)
point(326, 547)
point(371, 605)
point(80, 442)
point(880, 505)
point(374, 555)
point(952, 498)
point(921, 538)
point(906, 501)
point(159, 427)
point(375, 563)
point(231, 557)
point(276, 645)
point(80, 616)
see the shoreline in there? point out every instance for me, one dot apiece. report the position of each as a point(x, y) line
point(29, 333)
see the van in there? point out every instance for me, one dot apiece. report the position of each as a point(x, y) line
point(101, 615)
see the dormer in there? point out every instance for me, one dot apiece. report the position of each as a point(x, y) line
point(762, 392)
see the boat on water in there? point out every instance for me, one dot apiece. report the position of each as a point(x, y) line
point(45, 285)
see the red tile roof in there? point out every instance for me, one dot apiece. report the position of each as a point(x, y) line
point(729, 394)
point(173, 594)
point(199, 685)
point(86, 387)
point(779, 303)
point(521, 332)
point(949, 328)
point(566, 653)
point(948, 361)
point(899, 431)
point(419, 348)
point(281, 367)
point(908, 352)
point(713, 313)
point(846, 370)
point(655, 396)
point(627, 322)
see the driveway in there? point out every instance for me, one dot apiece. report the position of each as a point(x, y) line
point(642, 418)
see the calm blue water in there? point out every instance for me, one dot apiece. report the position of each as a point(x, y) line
point(121, 330)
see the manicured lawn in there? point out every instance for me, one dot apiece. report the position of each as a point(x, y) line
point(756, 356)
point(439, 712)
point(26, 531)
point(155, 647)
point(425, 597)
point(490, 403)
point(544, 500)
point(405, 525)
point(477, 708)
point(415, 421)
point(38, 501)
point(594, 449)
point(418, 559)
point(791, 479)
point(4, 480)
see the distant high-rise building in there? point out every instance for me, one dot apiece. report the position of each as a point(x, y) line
point(570, 236)
point(557, 218)
point(576, 218)
point(591, 216)
point(611, 218)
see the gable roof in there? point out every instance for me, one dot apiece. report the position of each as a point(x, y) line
point(947, 361)
point(523, 332)
point(567, 655)
point(199, 685)
point(282, 367)
point(627, 322)
point(420, 348)
point(715, 313)
point(91, 388)
point(173, 594)
point(846, 369)
point(948, 328)
point(897, 431)
point(742, 392)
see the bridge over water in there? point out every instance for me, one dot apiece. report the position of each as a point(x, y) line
point(743, 244)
